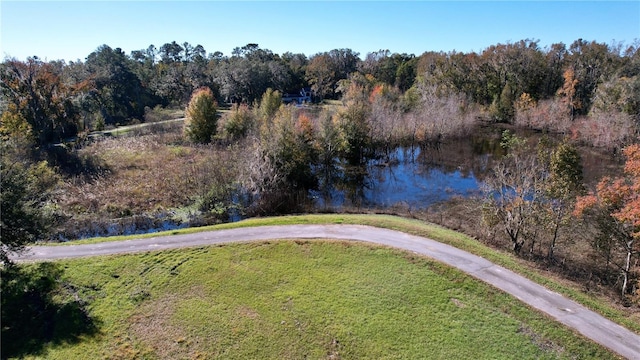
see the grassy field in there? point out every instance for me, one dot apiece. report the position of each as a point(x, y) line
point(298, 299)
point(601, 304)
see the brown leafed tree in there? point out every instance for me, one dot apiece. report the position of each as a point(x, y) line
point(39, 105)
point(568, 92)
point(614, 207)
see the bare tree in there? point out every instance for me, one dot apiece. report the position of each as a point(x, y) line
point(513, 193)
point(259, 175)
point(443, 114)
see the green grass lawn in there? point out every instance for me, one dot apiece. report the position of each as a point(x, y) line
point(300, 299)
point(427, 230)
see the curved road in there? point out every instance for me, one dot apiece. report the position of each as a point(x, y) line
point(568, 312)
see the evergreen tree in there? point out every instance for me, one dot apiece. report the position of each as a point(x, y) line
point(201, 121)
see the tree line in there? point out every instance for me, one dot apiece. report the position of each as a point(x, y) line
point(111, 87)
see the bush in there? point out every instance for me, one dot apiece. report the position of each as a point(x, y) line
point(25, 192)
point(201, 121)
point(239, 122)
point(546, 115)
point(610, 130)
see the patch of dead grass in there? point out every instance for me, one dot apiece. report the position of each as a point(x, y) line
point(147, 174)
point(247, 312)
point(458, 303)
point(154, 327)
point(541, 342)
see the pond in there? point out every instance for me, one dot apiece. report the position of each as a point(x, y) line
point(419, 177)
point(411, 177)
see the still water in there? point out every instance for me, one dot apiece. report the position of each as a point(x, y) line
point(419, 177)
point(414, 178)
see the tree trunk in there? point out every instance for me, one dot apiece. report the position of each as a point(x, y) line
point(533, 242)
point(517, 246)
point(625, 271)
point(552, 245)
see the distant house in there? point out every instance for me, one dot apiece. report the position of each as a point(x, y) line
point(304, 96)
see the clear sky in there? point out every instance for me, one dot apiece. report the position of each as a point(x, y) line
point(71, 30)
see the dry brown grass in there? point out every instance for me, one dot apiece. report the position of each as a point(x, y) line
point(146, 175)
point(154, 327)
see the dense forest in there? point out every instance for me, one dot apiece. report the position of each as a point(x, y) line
point(515, 82)
point(246, 149)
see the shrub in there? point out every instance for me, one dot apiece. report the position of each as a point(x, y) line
point(546, 115)
point(269, 105)
point(201, 121)
point(239, 122)
point(610, 130)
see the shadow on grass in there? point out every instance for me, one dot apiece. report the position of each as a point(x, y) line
point(38, 309)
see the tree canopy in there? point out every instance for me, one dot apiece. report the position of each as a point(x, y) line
point(113, 87)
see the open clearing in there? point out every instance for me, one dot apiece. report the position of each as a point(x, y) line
point(297, 299)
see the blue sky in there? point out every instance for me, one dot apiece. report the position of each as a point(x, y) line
point(71, 30)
